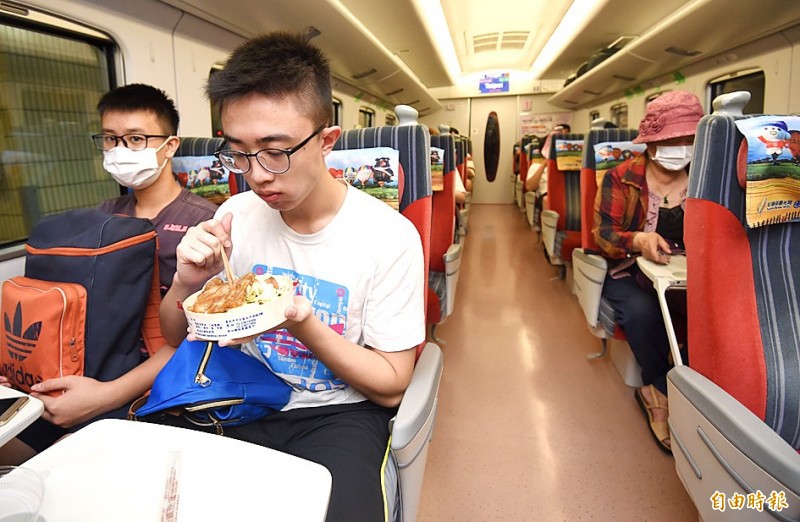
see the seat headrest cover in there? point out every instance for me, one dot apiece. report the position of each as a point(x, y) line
point(373, 170)
point(197, 169)
point(569, 151)
point(772, 191)
point(609, 154)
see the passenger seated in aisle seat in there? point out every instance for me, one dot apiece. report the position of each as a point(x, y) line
point(470, 173)
point(138, 139)
point(460, 191)
point(461, 187)
point(349, 369)
point(639, 211)
point(536, 181)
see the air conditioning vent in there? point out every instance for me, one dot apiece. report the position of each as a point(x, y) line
point(364, 74)
point(682, 52)
point(14, 9)
point(514, 39)
point(499, 41)
point(485, 42)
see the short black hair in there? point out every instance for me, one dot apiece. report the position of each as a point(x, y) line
point(141, 97)
point(563, 126)
point(277, 65)
point(453, 130)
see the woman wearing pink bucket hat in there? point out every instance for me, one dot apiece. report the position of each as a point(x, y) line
point(639, 211)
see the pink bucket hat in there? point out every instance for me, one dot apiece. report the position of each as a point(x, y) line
point(672, 115)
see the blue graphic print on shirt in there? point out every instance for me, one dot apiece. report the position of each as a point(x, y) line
point(290, 358)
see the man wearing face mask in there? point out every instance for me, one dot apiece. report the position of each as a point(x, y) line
point(639, 211)
point(138, 140)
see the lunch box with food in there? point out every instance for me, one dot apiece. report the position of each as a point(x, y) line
point(251, 305)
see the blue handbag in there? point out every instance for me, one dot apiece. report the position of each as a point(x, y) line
point(211, 385)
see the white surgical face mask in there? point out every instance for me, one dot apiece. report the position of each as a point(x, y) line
point(674, 157)
point(135, 169)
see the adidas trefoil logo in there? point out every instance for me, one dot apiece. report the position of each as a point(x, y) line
point(20, 344)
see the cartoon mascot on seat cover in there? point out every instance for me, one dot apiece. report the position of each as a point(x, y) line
point(775, 136)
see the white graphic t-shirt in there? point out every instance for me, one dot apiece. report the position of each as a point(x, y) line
point(362, 273)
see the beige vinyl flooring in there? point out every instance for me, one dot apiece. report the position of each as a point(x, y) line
point(528, 429)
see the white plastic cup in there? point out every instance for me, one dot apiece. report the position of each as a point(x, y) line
point(21, 492)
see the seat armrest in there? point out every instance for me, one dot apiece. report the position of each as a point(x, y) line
point(549, 223)
point(420, 397)
point(530, 203)
point(453, 254)
point(589, 274)
point(761, 445)
point(452, 264)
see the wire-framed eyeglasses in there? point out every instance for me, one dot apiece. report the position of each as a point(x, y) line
point(133, 141)
point(271, 159)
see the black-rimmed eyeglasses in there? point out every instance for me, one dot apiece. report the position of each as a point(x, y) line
point(272, 160)
point(132, 141)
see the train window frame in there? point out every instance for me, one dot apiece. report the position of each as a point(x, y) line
point(618, 114)
point(336, 105)
point(390, 120)
point(45, 123)
point(593, 115)
point(734, 81)
point(366, 117)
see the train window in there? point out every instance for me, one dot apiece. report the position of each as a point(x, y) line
point(366, 117)
point(593, 115)
point(619, 115)
point(50, 81)
point(651, 97)
point(391, 119)
point(752, 81)
point(337, 111)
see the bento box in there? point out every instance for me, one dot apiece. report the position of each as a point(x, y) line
point(252, 305)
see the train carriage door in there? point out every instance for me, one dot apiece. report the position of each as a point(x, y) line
point(500, 190)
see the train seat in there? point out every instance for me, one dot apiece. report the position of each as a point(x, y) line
point(611, 147)
point(463, 147)
point(735, 414)
point(516, 154)
point(524, 163)
point(445, 252)
point(412, 427)
point(535, 156)
point(561, 220)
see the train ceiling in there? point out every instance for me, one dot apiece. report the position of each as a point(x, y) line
point(389, 48)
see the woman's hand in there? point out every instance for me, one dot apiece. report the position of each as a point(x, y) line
point(652, 246)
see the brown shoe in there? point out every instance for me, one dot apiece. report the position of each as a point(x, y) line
point(659, 429)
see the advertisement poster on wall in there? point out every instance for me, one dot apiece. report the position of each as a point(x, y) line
point(540, 124)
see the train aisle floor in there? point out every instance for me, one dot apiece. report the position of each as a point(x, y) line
point(527, 427)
